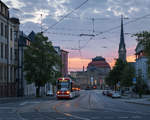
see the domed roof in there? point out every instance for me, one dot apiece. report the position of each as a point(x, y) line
point(98, 58)
point(98, 62)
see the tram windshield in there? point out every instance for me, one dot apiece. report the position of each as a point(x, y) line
point(63, 86)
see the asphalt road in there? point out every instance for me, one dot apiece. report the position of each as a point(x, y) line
point(91, 105)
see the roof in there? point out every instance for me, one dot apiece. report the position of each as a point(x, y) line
point(98, 62)
point(32, 36)
point(98, 58)
point(24, 35)
point(4, 4)
point(64, 51)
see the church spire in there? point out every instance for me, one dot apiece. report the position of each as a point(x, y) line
point(122, 48)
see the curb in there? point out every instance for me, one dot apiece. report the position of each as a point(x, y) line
point(10, 100)
point(138, 103)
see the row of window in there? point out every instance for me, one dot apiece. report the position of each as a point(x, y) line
point(3, 73)
point(5, 31)
point(4, 10)
point(4, 47)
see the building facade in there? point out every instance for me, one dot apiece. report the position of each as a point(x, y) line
point(122, 47)
point(96, 72)
point(141, 64)
point(64, 58)
point(9, 28)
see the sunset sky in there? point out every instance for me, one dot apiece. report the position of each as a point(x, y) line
point(37, 14)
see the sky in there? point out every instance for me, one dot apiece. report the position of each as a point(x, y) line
point(39, 15)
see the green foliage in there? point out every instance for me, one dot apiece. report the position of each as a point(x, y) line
point(122, 73)
point(115, 74)
point(110, 79)
point(140, 84)
point(127, 76)
point(39, 61)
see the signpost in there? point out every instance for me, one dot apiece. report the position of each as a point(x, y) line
point(134, 80)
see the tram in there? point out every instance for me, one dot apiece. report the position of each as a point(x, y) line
point(67, 88)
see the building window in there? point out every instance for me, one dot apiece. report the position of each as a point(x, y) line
point(0, 7)
point(1, 50)
point(16, 55)
point(11, 34)
point(11, 53)
point(5, 72)
point(3, 10)
point(15, 36)
point(2, 27)
point(0, 73)
point(6, 31)
point(6, 51)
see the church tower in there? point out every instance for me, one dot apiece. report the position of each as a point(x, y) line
point(122, 47)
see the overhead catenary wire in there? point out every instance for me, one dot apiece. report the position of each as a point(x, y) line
point(66, 15)
point(131, 21)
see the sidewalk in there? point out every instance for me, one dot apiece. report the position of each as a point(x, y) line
point(17, 99)
point(145, 100)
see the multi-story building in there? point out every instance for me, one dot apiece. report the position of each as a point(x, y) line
point(141, 64)
point(96, 72)
point(64, 58)
point(9, 28)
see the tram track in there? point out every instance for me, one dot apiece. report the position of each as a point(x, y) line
point(75, 104)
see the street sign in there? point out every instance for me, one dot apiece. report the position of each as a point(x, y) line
point(134, 80)
point(118, 84)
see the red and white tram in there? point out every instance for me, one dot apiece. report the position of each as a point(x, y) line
point(66, 88)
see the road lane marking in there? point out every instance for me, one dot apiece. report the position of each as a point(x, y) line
point(67, 114)
point(123, 117)
point(136, 117)
point(27, 102)
point(76, 117)
point(109, 117)
point(95, 118)
point(60, 118)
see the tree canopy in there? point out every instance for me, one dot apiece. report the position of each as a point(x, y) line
point(122, 74)
point(40, 61)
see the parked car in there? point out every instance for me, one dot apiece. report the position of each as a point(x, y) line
point(116, 95)
point(88, 88)
point(94, 87)
point(109, 93)
point(49, 93)
point(104, 92)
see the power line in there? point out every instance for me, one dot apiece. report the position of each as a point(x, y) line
point(66, 16)
point(114, 28)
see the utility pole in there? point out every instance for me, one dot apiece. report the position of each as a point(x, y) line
point(93, 20)
point(41, 24)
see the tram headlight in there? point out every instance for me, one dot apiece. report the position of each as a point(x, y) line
point(58, 92)
point(68, 92)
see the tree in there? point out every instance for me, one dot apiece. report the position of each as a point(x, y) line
point(39, 61)
point(115, 74)
point(127, 75)
point(140, 84)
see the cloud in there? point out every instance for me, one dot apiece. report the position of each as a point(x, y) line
point(80, 22)
point(77, 63)
point(131, 58)
point(14, 4)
